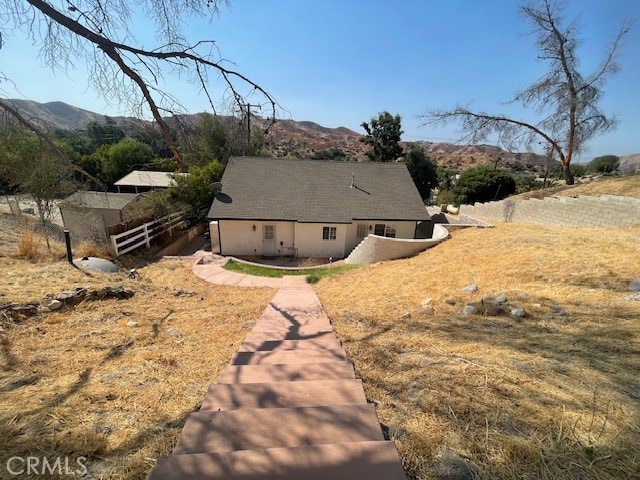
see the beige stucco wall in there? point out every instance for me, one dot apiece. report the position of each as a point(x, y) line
point(310, 243)
point(238, 238)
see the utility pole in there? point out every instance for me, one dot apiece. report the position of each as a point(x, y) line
point(249, 106)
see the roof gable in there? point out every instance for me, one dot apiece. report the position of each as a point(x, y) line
point(316, 191)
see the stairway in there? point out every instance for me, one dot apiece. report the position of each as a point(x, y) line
point(288, 406)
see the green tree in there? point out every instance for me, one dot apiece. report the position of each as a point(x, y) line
point(122, 157)
point(195, 192)
point(604, 164)
point(423, 171)
point(107, 133)
point(483, 184)
point(30, 165)
point(567, 98)
point(219, 138)
point(383, 136)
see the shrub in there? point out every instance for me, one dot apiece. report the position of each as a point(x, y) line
point(604, 164)
point(313, 278)
point(482, 184)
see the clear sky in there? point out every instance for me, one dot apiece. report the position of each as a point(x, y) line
point(339, 63)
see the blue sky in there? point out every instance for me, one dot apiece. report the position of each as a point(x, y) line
point(339, 63)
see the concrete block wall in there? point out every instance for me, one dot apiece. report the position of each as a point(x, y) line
point(583, 211)
point(377, 249)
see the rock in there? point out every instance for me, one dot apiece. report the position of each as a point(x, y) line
point(501, 298)
point(451, 301)
point(182, 293)
point(451, 466)
point(427, 301)
point(405, 316)
point(473, 288)
point(635, 297)
point(54, 305)
point(494, 310)
point(634, 286)
point(132, 324)
point(3, 339)
point(523, 297)
point(469, 310)
point(488, 300)
point(29, 211)
point(173, 332)
point(426, 310)
point(518, 312)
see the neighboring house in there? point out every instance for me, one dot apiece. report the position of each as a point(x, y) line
point(143, 181)
point(306, 208)
point(88, 215)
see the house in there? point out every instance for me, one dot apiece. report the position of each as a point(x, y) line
point(88, 215)
point(306, 208)
point(143, 181)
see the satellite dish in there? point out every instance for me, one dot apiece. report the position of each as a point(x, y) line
point(216, 186)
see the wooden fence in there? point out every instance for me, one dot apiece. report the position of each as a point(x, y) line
point(141, 236)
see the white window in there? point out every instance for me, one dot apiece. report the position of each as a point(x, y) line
point(390, 231)
point(329, 233)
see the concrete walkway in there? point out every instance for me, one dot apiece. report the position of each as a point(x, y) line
point(288, 406)
point(209, 267)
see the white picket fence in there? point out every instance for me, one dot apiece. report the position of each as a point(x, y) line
point(128, 241)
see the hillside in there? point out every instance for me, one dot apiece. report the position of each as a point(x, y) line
point(552, 394)
point(297, 138)
point(629, 163)
point(627, 186)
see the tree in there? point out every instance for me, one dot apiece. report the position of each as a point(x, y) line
point(604, 164)
point(423, 171)
point(32, 167)
point(123, 157)
point(106, 133)
point(483, 184)
point(103, 33)
point(383, 135)
point(195, 191)
point(219, 138)
point(566, 98)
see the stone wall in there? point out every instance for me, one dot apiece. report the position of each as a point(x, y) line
point(583, 211)
point(377, 249)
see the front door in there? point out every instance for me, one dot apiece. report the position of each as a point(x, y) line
point(269, 248)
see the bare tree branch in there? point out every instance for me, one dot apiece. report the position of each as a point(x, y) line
point(567, 99)
point(101, 30)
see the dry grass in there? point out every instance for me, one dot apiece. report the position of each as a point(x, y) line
point(81, 382)
point(627, 186)
point(553, 395)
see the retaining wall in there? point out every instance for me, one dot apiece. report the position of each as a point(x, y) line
point(375, 248)
point(583, 211)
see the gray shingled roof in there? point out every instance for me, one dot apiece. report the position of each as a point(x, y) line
point(316, 191)
point(107, 200)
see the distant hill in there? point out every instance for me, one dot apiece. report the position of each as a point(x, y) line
point(297, 138)
point(629, 163)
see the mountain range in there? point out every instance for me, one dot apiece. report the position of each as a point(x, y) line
point(298, 138)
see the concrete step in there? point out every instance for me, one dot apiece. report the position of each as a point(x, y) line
point(305, 330)
point(253, 429)
point(254, 345)
point(283, 335)
point(297, 356)
point(305, 393)
point(286, 373)
point(347, 461)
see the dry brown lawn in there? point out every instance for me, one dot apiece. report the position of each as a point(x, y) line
point(555, 395)
point(627, 186)
point(80, 382)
